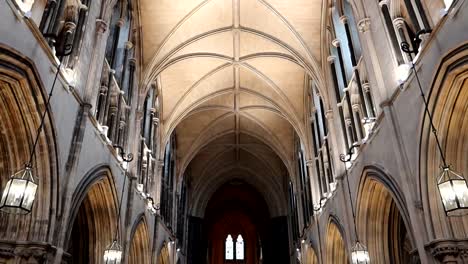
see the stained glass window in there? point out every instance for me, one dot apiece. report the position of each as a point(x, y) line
point(240, 248)
point(229, 248)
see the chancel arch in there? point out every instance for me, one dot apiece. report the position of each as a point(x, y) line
point(448, 101)
point(22, 100)
point(381, 221)
point(140, 244)
point(335, 246)
point(93, 221)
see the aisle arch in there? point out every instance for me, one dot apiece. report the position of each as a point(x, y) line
point(448, 103)
point(140, 251)
point(382, 219)
point(23, 97)
point(93, 218)
point(336, 251)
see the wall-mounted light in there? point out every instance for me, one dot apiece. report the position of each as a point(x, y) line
point(359, 253)
point(452, 186)
point(20, 192)
point(453, 191)
point(113, 253)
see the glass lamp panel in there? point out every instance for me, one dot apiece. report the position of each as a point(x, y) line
point(461, 191)
point(5, 193)
point(113, 254)
point(16, 192)
point(29, 195)
point(448, 196)
point(360, 255)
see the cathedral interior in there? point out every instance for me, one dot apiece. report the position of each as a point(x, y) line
point(233, 131)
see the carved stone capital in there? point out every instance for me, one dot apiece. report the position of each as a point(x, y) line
point(344, 19)
point(132, 62)
point(101, 26)
point(448, 250)
point(128, 45)
point(336, 43)
point(399, 22)
point(121, 22)
point(364, 25)
point(365, 87)
point(331, 59)
point(30, 251)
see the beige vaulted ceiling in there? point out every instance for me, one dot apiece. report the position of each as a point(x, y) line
point(233, 78)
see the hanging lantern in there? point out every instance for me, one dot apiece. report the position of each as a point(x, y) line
point(113, 254)
point(19, 193)
point(454, 192)
point(359, 254)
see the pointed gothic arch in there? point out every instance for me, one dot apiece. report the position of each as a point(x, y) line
point(336, 251)
point(22, 100)
point(382, 221)
point(93, 218)
point(140, 251)
point(448, 103)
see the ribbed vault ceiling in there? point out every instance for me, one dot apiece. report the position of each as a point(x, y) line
point(232, 78)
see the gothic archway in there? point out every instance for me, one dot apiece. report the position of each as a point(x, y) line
point(22, 100)
point(335, 245)
point(94, 220)
point(448, 101)
point(140, 244)
point(381, 224)
point(164, 257)
point(309, 256)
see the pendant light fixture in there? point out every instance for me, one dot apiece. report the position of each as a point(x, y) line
point(359, 253)
point(19, 194)
point(453, 188)
point(113, 253)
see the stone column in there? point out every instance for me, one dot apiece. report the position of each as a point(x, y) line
point(344, 20)
point(157, 180)
point(331, 61)
point(97, 58)
point(368, 99)
point(402, 35)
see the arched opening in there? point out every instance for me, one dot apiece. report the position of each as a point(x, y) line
point(335, 245)
point(22, 102)
point(381, 225)
point(94, 225)
point(140, 245)
point(163, 257)
point(448, 101)
point(309, 256)
point(235, 223)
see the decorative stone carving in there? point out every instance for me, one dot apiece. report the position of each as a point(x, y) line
point(128, 45)
point(32, 252)
point(448, 250)
point(336, 43)
point(363, 25)
point(101, 26)
point(331, 59)
point(344, 19)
